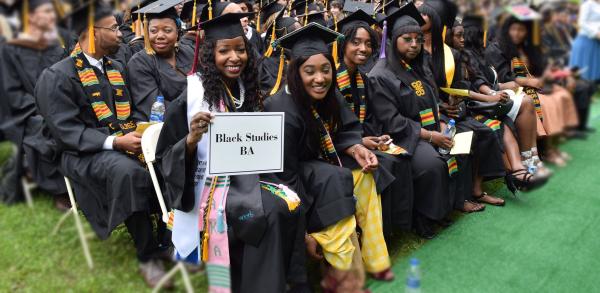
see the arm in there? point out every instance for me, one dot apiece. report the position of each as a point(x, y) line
point(17, 88)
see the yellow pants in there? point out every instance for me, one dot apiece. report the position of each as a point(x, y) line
point(368, 214)
point(336, 243)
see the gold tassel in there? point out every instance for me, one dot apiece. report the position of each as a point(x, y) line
point(60, 11)
point(279, 73)
point(444, 31)
point(147, 45)
point(209, 9)
point(485, 33)
point(25, 16)
point(194, 14)
point(383, 7)
point(117, 5)
point(258, 23)
point(273, 36)
point(536, 33)
point(91, 37)
point(306, 12)
point(334, 48)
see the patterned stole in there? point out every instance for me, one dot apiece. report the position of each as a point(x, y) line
point(328, 151)
point(520, 70)
point(118, 124)
point(357, 106)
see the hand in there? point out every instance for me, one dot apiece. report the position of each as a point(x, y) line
point(365, 158)
point(500, 97)
point(312, 247)
point(371, 142)
point(198, 126)
point(451, 111)
point(130, 142)
point(384, 142)
point(439, 140)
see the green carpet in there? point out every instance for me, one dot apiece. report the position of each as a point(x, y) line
point(547, 240)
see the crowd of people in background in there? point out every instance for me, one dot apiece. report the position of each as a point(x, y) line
point(370, 90)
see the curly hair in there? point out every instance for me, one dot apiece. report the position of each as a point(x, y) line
point(213, 85)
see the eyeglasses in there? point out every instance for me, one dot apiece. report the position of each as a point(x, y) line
point(418, 40)
point(113, 28)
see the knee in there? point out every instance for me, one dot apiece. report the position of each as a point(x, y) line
point(527, 105)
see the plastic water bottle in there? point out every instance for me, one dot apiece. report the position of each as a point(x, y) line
point(413, 278)
point(449, 132)
point(157, 113)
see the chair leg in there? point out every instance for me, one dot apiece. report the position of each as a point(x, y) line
point(27, 187)
point(63, 218)
point(82, 237)
point(186, 278)
point(166, 277)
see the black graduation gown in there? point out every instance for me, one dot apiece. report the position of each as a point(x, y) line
point(22, 63)
point(326, 190)
point(268, 67)
point(495, 57)
point(397, 195)
point(188, 40)
point(396, 106)
point(260, 248)
point(257, 42)
point(109, 185)
point(153, 76)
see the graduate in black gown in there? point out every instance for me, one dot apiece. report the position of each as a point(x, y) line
point(360, 41)
point(21, 63)
point(86, 105)
point(262, 246)
point(162, 73)
point(404, 101)
point(485, 160)
point(275, 60)
point(326, 161)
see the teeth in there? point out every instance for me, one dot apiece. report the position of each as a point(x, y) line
point(233, 68)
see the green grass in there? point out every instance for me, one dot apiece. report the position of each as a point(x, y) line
point(545, 241)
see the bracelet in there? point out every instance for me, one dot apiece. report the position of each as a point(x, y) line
point(430, 136)
point(114, 144)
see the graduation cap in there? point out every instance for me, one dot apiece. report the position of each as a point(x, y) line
point(226, 26)
point(478, 21)
point(85, 16)
point(317, 17)
point(404, 20)
point(359, 17)
point(524, 13)
point(353, 6)
point(280, 26)
point(304, 7)
point(445, 9)
point(310, 40)
point(213, 10)
point(265, 12)
point(189, 12)
point(387, 7)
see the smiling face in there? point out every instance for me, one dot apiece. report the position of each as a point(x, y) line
point(231, 57)
point(409, 45)
point(317, 76)
point(163, 35)
point(358, 50)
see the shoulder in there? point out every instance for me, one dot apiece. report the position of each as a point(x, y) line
point(282, 101)
point(141, 57)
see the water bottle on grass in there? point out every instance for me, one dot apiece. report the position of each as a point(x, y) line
point(413, 278)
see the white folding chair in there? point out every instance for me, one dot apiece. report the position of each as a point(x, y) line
point(73, 211)
point(149, 142)
point(27, 188)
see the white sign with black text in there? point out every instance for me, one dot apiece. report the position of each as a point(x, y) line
point(246, 143)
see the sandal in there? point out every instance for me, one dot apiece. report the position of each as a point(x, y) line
point(478, 207)
point(386, 275)
point(481, 199)
point(528, 182)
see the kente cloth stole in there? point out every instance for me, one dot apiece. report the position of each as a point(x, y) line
point(427, 117)
point(520, 70)
point(118, 124)
point(345, 86)
point(328, 151)
point(452, 166)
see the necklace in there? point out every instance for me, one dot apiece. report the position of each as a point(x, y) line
point(237, 102)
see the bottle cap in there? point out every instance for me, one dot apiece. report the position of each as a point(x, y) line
point(160, 99)
point(452, 122)
point(414, 262)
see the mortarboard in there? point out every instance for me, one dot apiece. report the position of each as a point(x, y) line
point(407, 19)
point(318, 17)
point(189, 12)
point(445, 9)
point(265, 13)
point(310, 40)
point(358, 17)
point(85, 16)
point(524, 13)
point(353, 6)
point(226, 26)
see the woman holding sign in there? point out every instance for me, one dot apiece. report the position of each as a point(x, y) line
point(405, 102)
point(326, 161)
point(248, 227)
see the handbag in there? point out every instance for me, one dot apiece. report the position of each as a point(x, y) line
point(495, 110)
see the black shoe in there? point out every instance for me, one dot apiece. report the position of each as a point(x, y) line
point(589, 130)
point(423, 228)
